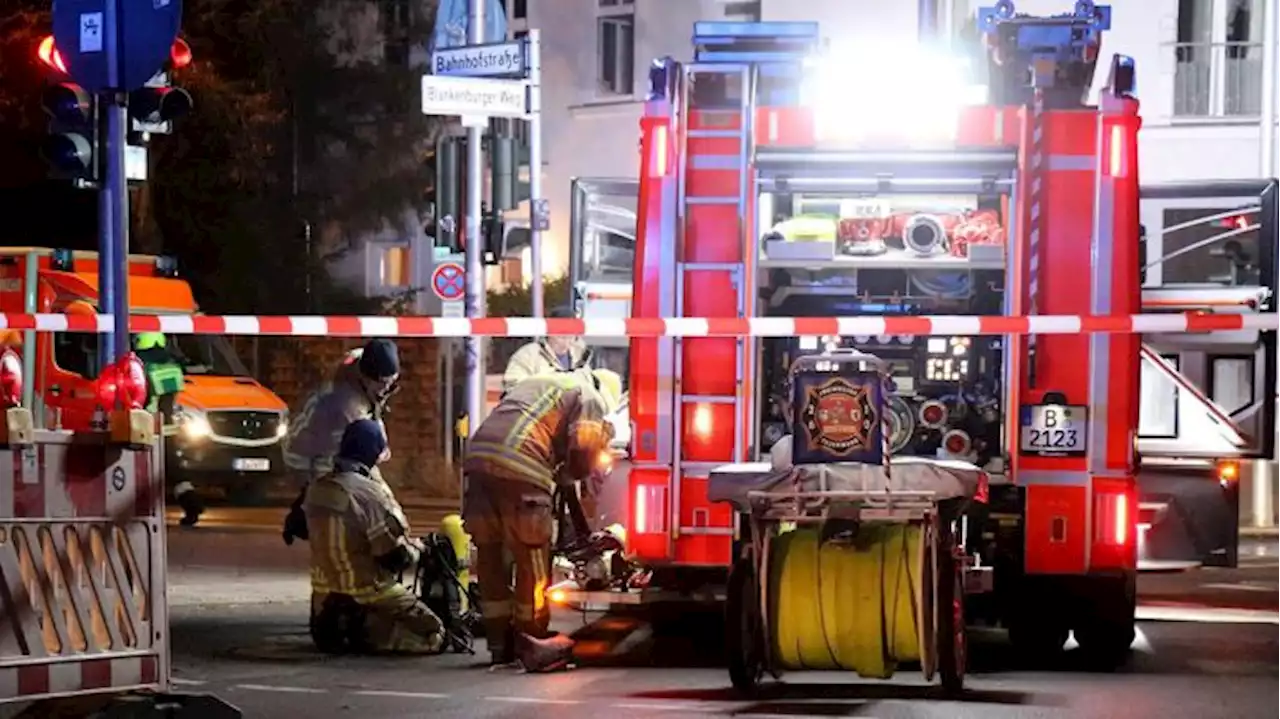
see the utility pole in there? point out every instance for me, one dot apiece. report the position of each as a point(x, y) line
point(475, 286)
point(1265, 472)
point(535, 173)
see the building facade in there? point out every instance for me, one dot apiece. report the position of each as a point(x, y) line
point(1201, 76)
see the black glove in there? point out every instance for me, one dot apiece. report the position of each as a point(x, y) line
point(295, 524)
point(397, 560)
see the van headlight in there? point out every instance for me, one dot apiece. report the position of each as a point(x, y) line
point(192, 424)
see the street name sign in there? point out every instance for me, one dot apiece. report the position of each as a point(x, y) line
point(506, 59)
point(471, 96)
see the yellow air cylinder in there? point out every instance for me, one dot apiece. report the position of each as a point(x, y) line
point(451, 527)
point(849, 605)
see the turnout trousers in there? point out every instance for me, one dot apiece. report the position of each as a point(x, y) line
point(511, 523)
point(395, 623)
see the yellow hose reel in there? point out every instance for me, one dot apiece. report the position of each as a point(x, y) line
point(887, 595)
point(851, 605)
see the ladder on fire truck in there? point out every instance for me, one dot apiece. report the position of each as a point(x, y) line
point(715, 259)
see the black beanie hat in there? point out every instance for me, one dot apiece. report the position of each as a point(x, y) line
point(363, 441)
point(380, 359)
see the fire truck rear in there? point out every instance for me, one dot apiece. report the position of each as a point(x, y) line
point(772, 185)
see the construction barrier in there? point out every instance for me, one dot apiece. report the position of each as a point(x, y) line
point(320, 326)
point(82, 562)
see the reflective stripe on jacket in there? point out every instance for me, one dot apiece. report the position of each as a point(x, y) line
point(542, 428)
point(353, 518)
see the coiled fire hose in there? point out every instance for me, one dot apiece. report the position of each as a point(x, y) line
point(851, 606)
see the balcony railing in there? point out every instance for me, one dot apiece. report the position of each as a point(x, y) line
point(1217, 80)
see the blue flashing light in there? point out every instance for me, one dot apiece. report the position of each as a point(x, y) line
point(63, 260)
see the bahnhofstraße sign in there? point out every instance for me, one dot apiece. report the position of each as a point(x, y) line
point(473, 96)
point(507, 59)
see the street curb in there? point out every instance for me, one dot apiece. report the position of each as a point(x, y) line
point(1260, 531)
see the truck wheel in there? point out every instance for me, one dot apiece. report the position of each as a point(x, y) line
point(1107, 633)
point(953, 645)
point(744, 640)
point(1037, 641)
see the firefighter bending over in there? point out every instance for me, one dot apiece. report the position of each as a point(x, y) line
point(547, 430)
point(544, 356)
point(165, 380)
point(360, 390)
point(360, 545)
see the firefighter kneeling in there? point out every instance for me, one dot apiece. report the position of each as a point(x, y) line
point(547, 430)
point(360, 545)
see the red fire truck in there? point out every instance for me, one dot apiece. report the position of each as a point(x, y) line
point(758, 196)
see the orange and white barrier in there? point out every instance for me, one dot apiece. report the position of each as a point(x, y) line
point(323, 326)
point(82, 561)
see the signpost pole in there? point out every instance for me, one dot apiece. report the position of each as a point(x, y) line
point(475, 270)
point(113, 202)
point(535, 170)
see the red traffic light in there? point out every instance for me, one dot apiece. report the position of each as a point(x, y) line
point(50, 56)
point(180, 54)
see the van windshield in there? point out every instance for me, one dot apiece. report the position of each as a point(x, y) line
point(207, 355)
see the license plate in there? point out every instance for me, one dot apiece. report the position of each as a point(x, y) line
point(1055, 429)
point(251, 465)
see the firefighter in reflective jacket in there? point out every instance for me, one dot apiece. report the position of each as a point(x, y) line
point(363, 384)
point(360, 545)
point(547, 430)
point(165, 380)
point(546, 355)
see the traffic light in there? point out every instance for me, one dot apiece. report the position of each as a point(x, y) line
point(154, 107)
point(446, 191)
point(502, 154)
point(492, 229)
point(71, 148)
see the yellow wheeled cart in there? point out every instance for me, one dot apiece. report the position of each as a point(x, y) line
point(849, 559)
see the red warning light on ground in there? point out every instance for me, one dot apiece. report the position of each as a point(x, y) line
point(50, 56)
point(180, 54)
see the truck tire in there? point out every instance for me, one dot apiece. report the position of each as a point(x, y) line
point(1107, 632)
point(744, 640)
point(953, 644)
point(1037, 641)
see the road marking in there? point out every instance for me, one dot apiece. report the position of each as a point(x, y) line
point(662, 707)
point(282, 690)
point(532, 700)
point(1208, 615)
point(1242, 586)
point(400, 695)
point(187, 682)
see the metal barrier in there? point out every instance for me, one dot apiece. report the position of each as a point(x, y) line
point(82, 564)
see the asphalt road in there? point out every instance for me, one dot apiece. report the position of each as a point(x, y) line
point(241, 633)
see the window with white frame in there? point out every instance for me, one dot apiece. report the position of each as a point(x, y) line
point(395, 268)
point(1158, 401)
point(615, 47)
point(1218, 56)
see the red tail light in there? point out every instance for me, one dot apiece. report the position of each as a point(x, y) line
point(10, 379)
point(1113, 519)
point(648, 510)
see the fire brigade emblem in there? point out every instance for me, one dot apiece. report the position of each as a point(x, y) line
point(840, 417)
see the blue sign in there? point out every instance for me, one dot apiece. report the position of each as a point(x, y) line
point(451, 24)
point(505, 59)
point(145, 31)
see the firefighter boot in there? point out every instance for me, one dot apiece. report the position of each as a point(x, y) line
point(190, 503)
point(544, 655)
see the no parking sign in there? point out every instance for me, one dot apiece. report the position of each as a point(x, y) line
point(449, 281)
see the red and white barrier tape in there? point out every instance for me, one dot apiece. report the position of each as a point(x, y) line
point(320, 326)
